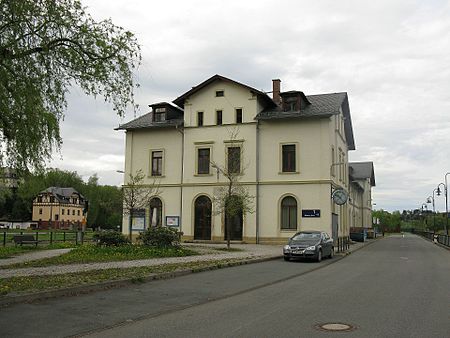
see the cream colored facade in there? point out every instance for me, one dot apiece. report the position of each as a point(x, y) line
point(321, 160)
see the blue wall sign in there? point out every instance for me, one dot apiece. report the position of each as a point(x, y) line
point(311, 213)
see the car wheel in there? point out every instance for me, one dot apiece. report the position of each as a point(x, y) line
point(331, 253)
point(286, 258)
point(319, 256)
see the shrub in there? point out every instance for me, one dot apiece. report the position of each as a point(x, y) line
point(161, 237)
point(110, 238)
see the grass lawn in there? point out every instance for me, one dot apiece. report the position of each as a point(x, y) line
point(43, 283)
point(90, 253)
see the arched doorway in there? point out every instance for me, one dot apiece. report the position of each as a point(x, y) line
point(236, 222)
point(202, 218)
point(155, 212)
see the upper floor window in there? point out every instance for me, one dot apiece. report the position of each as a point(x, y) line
point(62, 211)
point(157, 163)
point(219, 93)
point(200, 118)
point(234, 160)
point(78, 212)
point(159, 115)
point(218, 117)
point(288, 158)
point(40, 211)
point(203, 160)
point(73, 212)
point(39, 199)
point(239, 115)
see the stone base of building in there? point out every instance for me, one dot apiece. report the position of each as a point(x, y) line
point(245, 240)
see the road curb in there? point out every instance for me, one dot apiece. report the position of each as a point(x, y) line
point(85, 289)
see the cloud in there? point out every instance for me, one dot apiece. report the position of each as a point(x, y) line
point(392, 57)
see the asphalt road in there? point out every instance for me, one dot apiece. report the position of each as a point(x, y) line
point(396, 287)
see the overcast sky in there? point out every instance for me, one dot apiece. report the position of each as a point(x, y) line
point(391, 57)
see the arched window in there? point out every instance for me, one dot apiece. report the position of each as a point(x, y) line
point(155, 212)
point(289, 213)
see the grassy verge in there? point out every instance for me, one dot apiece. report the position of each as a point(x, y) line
point(44, 283)
point(95, 254)
point(10, 251)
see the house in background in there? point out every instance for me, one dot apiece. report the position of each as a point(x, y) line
point(294, 158)
point(60, 208)
point(362, 180)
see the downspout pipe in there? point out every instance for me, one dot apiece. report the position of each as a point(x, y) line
point(257, 181)
point(181, 130)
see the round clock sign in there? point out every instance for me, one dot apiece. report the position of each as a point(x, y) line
point(340, 196)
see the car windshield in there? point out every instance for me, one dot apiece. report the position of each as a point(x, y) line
point(306, 236)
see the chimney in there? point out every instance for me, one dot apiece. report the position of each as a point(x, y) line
point(276, 87)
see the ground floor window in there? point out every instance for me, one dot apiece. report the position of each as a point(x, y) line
point(289, 213)
point(155, 212)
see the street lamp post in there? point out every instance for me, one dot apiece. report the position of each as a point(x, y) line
point(424, 205)
point(446, 202)
point(429, 200)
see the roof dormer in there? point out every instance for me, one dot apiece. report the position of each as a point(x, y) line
point(294, 101)
point(164, 111)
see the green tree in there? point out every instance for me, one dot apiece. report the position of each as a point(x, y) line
point(46, 46)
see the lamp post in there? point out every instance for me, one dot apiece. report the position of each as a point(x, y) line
point(424, 205)
point(429, 200)
point(446, 202)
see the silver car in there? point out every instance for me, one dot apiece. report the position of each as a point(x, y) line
point(309, 244)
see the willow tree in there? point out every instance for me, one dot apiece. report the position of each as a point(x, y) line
point(47, 46)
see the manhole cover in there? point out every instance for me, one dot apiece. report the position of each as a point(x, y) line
point(335, 327)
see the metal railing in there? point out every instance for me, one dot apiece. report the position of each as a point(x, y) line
point(439, 238)
point(48, 237)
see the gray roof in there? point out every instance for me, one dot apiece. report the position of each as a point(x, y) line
point(146, 121)
point(362, 171)
point(62, 194)
point(322, 105)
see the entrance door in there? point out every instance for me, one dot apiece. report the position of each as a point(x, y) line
point(202, 218)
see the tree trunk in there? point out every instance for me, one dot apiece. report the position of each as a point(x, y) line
point(130, 226)
point(228, 216)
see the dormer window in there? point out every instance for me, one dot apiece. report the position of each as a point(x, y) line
point(219, 93)
point(290, 104)
point(159, 114)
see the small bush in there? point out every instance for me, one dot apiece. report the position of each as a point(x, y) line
point(110, 238)
point(161, 237)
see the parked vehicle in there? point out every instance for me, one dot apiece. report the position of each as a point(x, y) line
point(309, 244)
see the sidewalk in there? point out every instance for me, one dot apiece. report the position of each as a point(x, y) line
point(32, 256)
point(250, 252)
